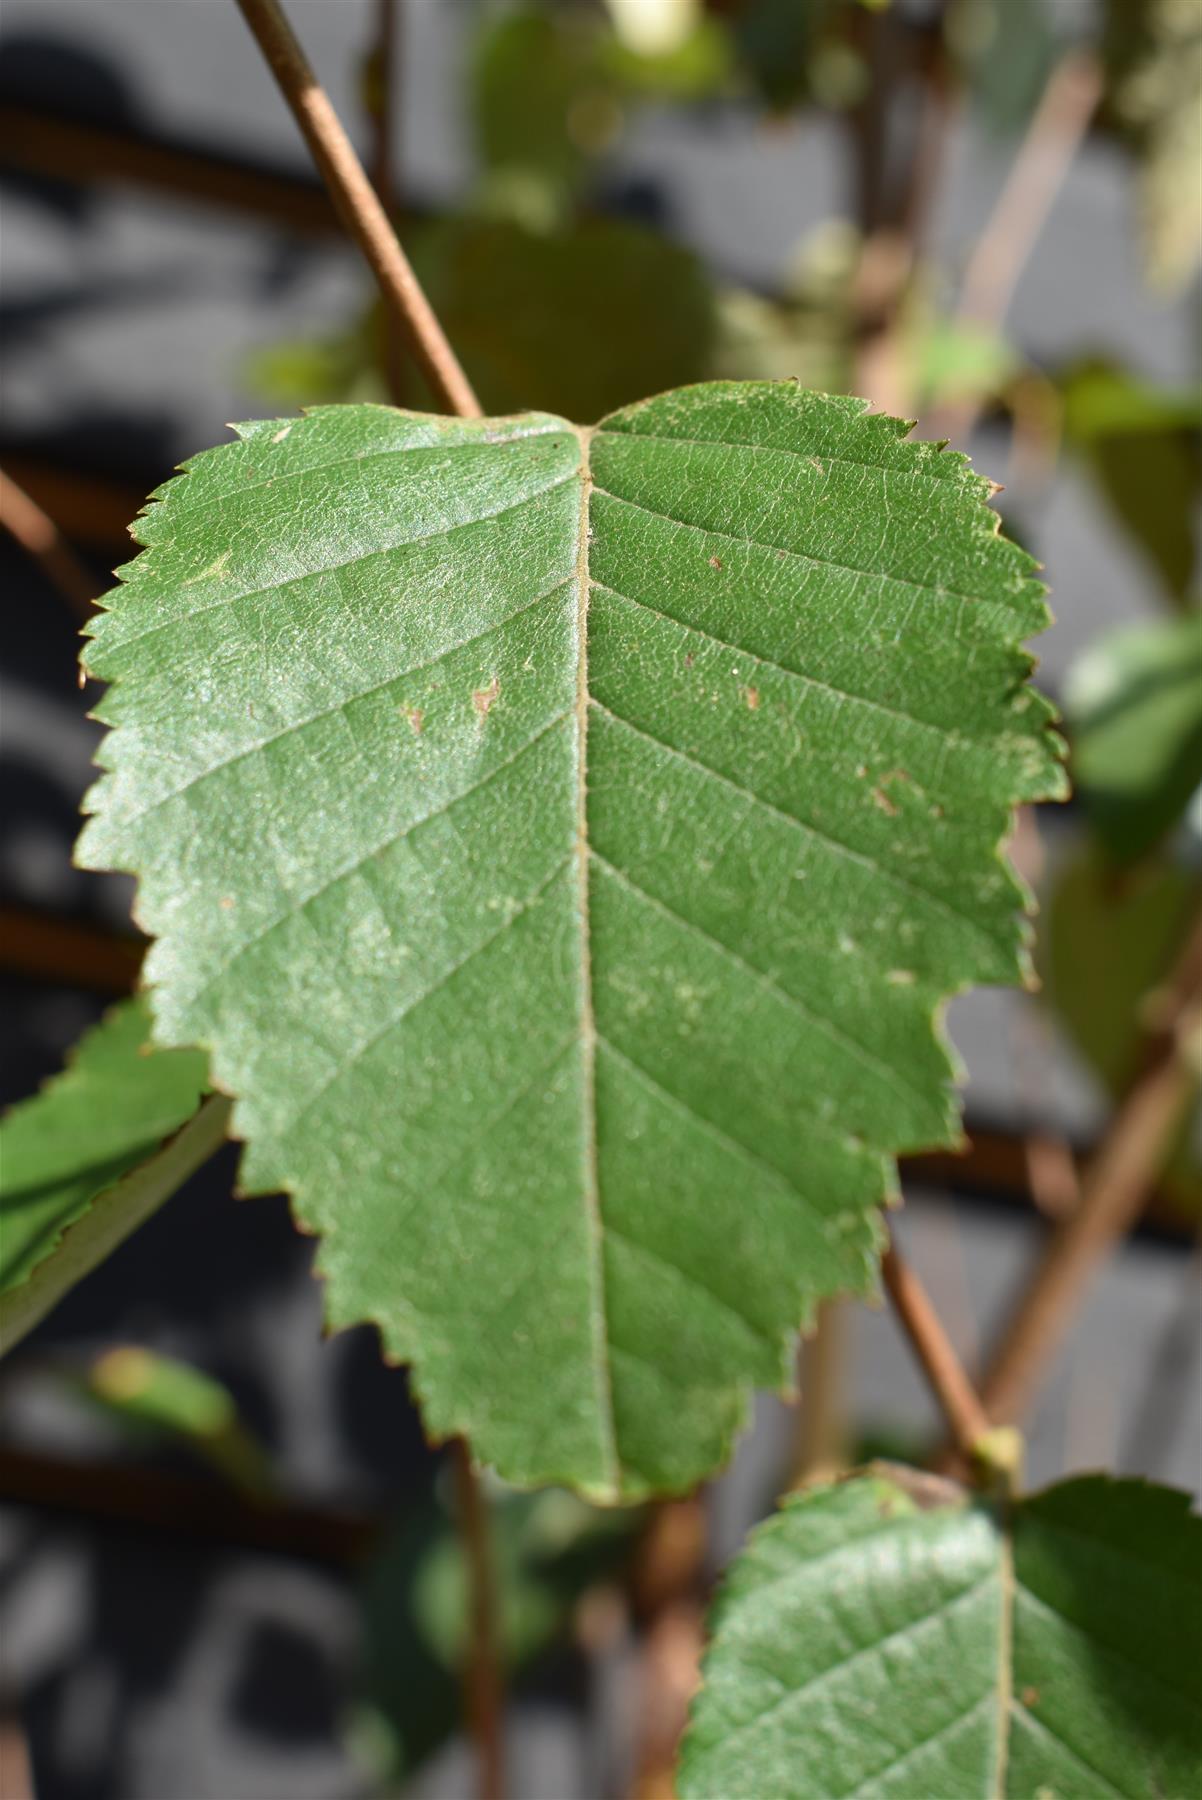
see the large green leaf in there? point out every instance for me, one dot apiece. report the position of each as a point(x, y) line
point(81, 1163)
point(893, 1636)
point(591, 1086)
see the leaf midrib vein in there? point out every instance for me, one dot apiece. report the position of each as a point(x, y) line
point(599, 1321)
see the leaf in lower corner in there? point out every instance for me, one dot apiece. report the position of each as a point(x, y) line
point(568, 898)
point(891, 1635)
point(107, 1112)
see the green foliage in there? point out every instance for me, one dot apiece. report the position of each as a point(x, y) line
point(64, 1150)
point(519, 302)
point(591, 1086)
point(1111, 938)
point(548, 1550)
point(893, 1636)
point(1141, 444)
point(1153, 53)
point(154, 1397)
point(1134, 703)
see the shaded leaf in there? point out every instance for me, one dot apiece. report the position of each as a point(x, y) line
point(106, 1114)
point(590, 1086)
point(1111, 939)
point(1134, 703)
point(893, 1636)
point(1140, 442)
point(519, 303)
point(1153, 55)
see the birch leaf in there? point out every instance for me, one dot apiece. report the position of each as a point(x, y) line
point(563, 842)
point(892, 1636)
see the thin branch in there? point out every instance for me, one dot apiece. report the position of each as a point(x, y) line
point(38, 946)
point(1054, 136)
point(1114, 1189)
point(482, 1668)
point(950, 1385)
point(381, 84)
point(821, 1450)
point(41, 538)
point(356, 201)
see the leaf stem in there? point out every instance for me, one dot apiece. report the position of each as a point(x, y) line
point(1115, 1186)
point(482, 1665)
point(950, 1385)
point(358, 204)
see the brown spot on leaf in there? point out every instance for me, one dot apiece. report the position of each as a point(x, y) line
point(1030, 1697)
point(226, 903)
point(752, 697)
point(815, 464)
point(415, 718)
point(880, 798)
point(482, 698)
point(689, 659)
point(715, 562)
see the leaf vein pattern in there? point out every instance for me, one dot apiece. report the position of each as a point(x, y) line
point(952, 738)
point(890, 1768)
point(941, 482)
point(340, 706)
point(890, 876)
point(1028, 1597)
point(933, 589)
point(1036, 1725)
point(868, 1058)
point(692, 1281)
point(359, 862)
point(350, 562)
point(866, 1651)
point(702, 1119)
point(367, 1044)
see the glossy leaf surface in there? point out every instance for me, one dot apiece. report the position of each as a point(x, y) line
point(563, 841)
point(890, 1636)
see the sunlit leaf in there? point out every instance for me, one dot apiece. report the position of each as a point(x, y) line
point(564, 842)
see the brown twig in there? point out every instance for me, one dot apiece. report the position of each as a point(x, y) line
point(1053, 137)
point(482, 1667)
point(1114, 1189)
point(381, 82)
point(821, 1442)
point(40, 537)
point(358, 204)
point(1045, 155)
point(950, 1385)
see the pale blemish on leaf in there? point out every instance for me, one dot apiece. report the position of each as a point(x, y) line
point(483, 698)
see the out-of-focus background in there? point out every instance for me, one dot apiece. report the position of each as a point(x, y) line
point(228, 1564)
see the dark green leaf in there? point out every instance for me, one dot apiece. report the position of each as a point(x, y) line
point(591, 1087)
point(1134, 704)
point(891, 1636)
